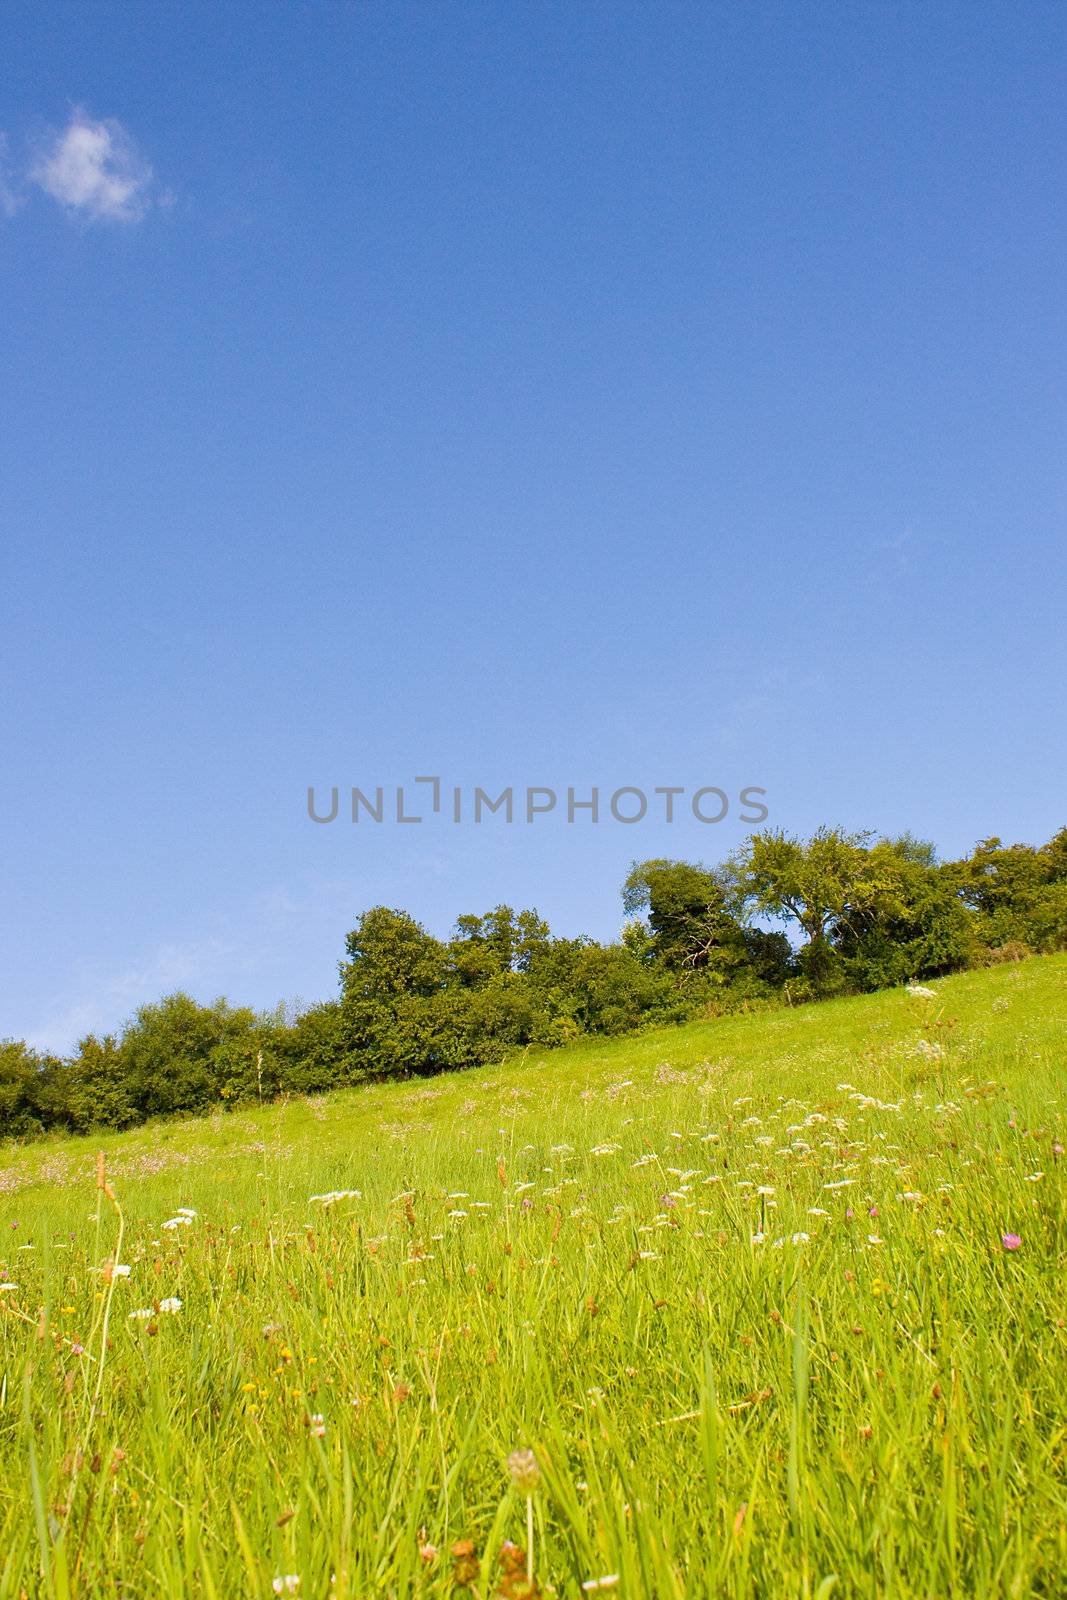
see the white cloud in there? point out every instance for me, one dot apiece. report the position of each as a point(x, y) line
point(95, 170)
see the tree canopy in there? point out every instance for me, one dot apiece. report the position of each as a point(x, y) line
point(785, 919)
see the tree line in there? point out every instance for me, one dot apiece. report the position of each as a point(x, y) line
point(783, 921)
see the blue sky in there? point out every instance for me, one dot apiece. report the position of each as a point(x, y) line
point(553, 394)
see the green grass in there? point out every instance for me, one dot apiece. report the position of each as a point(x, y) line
point(563, 1253)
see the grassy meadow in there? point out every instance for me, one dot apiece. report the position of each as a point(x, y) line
point(777, 1302)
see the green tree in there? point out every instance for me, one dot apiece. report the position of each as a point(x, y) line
point(314, 1053)
point(31, 1097)
point(98, 1090)
point(922, 929)
point(177, 1055)
point(826, 885)
point(389, 955)
point(689, 909)
point(1019, 894)
point(501, 941)
point(697, 929)
point(395, 969)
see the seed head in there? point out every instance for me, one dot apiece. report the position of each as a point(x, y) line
point(524, 1472)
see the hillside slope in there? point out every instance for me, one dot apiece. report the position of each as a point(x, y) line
point(772, 1298)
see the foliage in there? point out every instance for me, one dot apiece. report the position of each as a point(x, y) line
point(1018, 893)
point(860, 914)
point(28, 1087)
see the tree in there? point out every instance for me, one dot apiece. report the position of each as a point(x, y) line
point(176, 1055)
point(98, 1090)
point(395, 969)
point(1019, 894)
point(501, 941)
point(922, 929)
point(689, 911)
point(30, 1090)
point(314, 1052)
point(390, 955)
point(827, 885)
